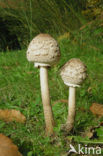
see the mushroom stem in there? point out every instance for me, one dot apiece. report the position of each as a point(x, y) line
point(48, 114)
point(71, 109)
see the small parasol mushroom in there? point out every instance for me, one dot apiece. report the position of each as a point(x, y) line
point(73, 73)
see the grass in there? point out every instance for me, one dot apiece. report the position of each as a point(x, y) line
point(31, 17)
point(20, 90)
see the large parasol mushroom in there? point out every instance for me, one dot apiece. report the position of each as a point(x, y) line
point(43, 50)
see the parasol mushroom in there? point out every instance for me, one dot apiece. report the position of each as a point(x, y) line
point(43, 50)
point(73, 74)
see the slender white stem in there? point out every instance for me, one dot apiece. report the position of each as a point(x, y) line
point(71, 108)
point(48, 115)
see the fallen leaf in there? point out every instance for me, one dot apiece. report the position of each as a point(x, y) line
point(7, 148)
point(12, 115)
point(30, 72)
point(89, 90)
point(60, 101)
point(97, 109)
point(64, 101)
point(91, 132)
point(82, 109)
point(88, 134)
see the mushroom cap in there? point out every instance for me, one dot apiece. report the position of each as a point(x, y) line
point(73, 72)
point(43, 49)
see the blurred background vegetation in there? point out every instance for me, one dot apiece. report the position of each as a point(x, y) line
point(21, 20)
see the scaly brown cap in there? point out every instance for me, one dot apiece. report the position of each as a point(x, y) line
point(43, 49)
point(73, 72)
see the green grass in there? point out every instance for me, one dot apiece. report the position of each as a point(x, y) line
point(20, 90)
point(22, 20)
